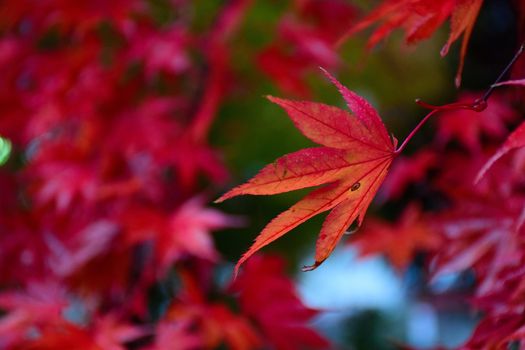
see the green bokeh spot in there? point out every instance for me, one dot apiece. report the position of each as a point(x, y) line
point(5, 150)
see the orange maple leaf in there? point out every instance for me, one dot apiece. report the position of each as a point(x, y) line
point(398, 241)
point(353, 163)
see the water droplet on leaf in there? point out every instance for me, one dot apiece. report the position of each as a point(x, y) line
point(307, 268)
point(353, 228)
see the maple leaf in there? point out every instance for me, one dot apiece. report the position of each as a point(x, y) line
point(106, 333)
point(497, 332)
point(268, 296)
point(186, 230)
point(214, 323)
point(305, 40)
point(481, 233)
point(189, 231)
point(355, 159)
point(165, 51)
point(503, 321)
point(39, 303)
point(166, 332)
point(515, 140)
point(420, 19)
point(462, 22)
point(91, 241)
point(399, 241)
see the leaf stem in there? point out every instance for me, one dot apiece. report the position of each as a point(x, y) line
point(415, 130)
point(477, 105)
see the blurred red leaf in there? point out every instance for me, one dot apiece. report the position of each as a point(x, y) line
point(305, 40)
point(399, 241)
point(107, 333)
point(406, 171)
point(40, 303)
point(269, 297)
point(211, 323)
point(481, 233)
point(420, 19)
point(515, 140)
point(185, 231)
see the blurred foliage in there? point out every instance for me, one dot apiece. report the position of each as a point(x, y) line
point(252, 132)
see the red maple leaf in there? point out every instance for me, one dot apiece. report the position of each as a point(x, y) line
point(40, 303)
point(268, 296)
point(161, 52)
point(355, 159)
point(166, 332)
point(212, 323)
point(185, 231)
point(515, 140)
point(503, 321)
point(106, 333)
point(305, 40)
point(482, 233)
point(420, 19)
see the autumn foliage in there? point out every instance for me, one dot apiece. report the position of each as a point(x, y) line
point(103, 204)
point(106, 219)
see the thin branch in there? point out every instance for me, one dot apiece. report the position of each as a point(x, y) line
point(504, 72)
point(477, 105)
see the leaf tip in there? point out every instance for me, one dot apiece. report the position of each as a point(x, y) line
point(223, 198)
point(276, 100)
point(236, 270)
point(444, 49)
point(479, 176)
point(457, 80)
point(312, 267)
point(486, 167)
point(234, 192)
point(330, 77)
point(241, 261)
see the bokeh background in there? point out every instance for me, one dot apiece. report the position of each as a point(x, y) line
point(272, 48)
point(371, 305)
